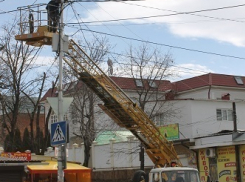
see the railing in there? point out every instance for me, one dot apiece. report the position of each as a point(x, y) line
point(32, 17)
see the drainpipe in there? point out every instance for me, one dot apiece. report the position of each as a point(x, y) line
point(210, 84)
point(238, 175)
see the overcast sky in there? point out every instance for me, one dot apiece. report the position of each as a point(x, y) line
point(202, 35)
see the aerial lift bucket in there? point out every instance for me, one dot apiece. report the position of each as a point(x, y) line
point(34, 25)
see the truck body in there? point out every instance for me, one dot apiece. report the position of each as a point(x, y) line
point(176, 174)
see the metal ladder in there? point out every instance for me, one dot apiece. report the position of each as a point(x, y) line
point(120, 107)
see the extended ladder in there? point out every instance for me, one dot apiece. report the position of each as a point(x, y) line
point(120, 107)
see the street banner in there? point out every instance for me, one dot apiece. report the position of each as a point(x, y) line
point(203, 165)
point(17, 156)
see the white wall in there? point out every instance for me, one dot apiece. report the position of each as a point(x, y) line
point(113, 155)
point(198, 117)
point(215, 93)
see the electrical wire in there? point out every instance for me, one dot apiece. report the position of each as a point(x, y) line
point(120, 24)
point(174, 14)
point(192, 13)
point(83, 33)
point(5, 12)
point(167, 45)
point(129, 56)
point(10, 11)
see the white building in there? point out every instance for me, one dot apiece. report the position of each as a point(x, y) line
point(202, 107)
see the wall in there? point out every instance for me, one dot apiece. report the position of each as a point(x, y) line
point(198, 117)
point(215, 93)
point(115, 156)
point(22, 123)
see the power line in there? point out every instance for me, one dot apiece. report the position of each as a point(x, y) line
point(214, 9)
point(166, 45)
point(129, 56)
point(5, 12)
point(10, 11)
point(174, 14)
point(121, 24)
point(88, 28)
point(102, 1)
point(181, 47)
point(149, 23)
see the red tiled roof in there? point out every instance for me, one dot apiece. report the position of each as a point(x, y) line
point(123, 82)
point(49, 93)
point(129, 83)
point(211, 79)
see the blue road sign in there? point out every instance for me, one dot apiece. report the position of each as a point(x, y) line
point(58, 133)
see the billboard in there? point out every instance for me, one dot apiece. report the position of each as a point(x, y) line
point(203, 165)
point(171, 131)
point(226, 163)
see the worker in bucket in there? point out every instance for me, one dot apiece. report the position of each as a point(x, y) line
point(53, 15)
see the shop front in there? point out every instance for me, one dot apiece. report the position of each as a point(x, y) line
point(223, 164)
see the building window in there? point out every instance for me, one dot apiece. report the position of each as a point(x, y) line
point(139, 83)
point(224, 115)
point(159, 119)
point(152, 84)
point(54, 118)
point(66, 117)
point(238, 80)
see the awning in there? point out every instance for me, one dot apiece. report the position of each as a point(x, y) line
point(52, 167)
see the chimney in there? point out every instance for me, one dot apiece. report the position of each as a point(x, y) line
point(225, 96)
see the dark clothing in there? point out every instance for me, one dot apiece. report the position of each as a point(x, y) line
point(179, 179)
point(53, 15)
point(53, 7)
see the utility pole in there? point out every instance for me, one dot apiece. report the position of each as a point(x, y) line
point(237, 151)
point(62, 150)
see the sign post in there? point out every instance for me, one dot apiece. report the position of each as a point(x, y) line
point(58, 133)
point(61, 155)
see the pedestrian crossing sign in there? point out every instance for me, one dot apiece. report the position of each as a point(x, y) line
point(58, 133)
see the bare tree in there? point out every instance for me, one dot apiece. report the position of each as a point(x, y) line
point(150, 68)
point(83, 108)
point(22, 88)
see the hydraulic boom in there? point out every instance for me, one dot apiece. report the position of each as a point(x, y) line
point(120, 107)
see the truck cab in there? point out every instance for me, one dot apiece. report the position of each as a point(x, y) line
point(174, 174)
